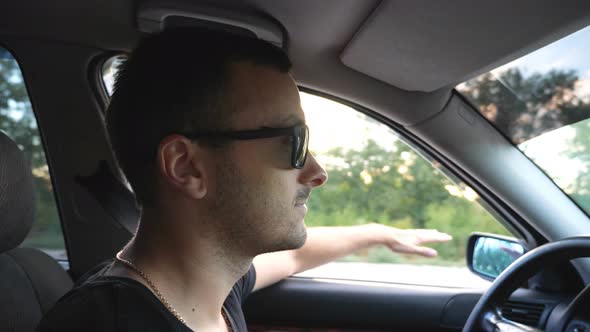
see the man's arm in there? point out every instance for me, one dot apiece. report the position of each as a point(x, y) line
point(325, 244)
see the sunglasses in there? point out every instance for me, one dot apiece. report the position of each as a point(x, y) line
point(299, 139)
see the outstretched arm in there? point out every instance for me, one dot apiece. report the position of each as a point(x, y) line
point(325, 244)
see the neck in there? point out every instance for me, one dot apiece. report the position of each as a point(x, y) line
point(189, 266)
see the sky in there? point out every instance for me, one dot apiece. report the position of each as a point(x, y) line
point(332, 124)
point(570, 52)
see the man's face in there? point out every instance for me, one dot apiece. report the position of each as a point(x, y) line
point(259, 197)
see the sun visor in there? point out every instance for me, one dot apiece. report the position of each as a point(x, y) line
point(154, 17)
point(425, 45)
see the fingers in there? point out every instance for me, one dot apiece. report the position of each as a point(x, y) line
point(432, 236)
point(425, 251)
point(414, 250)
point(410, 241)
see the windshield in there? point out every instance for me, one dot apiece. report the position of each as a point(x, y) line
point(541, 102)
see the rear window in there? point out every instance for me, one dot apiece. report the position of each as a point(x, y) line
point(17, 120)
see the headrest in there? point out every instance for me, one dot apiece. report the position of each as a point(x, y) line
point(17, 196)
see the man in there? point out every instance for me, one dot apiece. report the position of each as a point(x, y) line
point(208, 129)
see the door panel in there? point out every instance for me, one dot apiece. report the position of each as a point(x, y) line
point(304, 304)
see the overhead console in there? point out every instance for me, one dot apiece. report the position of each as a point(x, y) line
point(156, 17)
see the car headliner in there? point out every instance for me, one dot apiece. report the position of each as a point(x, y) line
point(371, 52)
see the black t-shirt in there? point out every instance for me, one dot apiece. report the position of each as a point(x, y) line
point(108, 303)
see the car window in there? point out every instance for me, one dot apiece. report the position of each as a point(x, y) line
point(541, 102)
point(17, 120)
point(374, 176)
point(109, 69)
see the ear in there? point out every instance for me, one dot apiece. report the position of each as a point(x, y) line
point(180, 167)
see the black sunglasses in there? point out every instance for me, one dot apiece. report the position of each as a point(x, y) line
point(299, 135)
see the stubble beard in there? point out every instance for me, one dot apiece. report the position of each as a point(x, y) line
point(252, 221)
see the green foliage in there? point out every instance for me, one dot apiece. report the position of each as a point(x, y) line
point(460, 218)
point(405, 191)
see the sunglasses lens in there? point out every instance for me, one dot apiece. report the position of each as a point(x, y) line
point(300, 149)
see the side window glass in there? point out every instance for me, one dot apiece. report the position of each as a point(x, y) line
point(374, 176)
point(17, 120)
point(109, 70)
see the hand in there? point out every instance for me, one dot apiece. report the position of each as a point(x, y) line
point(410, 241)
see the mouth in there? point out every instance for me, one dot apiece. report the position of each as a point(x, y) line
point(301, 199)
point(302, 207)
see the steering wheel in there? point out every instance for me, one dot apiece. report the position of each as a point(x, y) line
point(575, 317)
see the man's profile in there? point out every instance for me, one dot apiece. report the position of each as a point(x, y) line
point(208, 129)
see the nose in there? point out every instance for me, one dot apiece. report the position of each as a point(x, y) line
point(313, 174)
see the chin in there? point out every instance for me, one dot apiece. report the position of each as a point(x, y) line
point(301, 240)
point(295, 239)
point(299, 236)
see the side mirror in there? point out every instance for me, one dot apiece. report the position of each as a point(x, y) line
point(489, 254)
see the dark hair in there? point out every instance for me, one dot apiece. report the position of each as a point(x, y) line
point(175, 81)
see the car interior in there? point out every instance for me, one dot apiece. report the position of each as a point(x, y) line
point(398, 62)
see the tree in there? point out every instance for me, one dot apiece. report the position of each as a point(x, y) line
point(395, 186)
point(380, 185)
point(525, 107)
